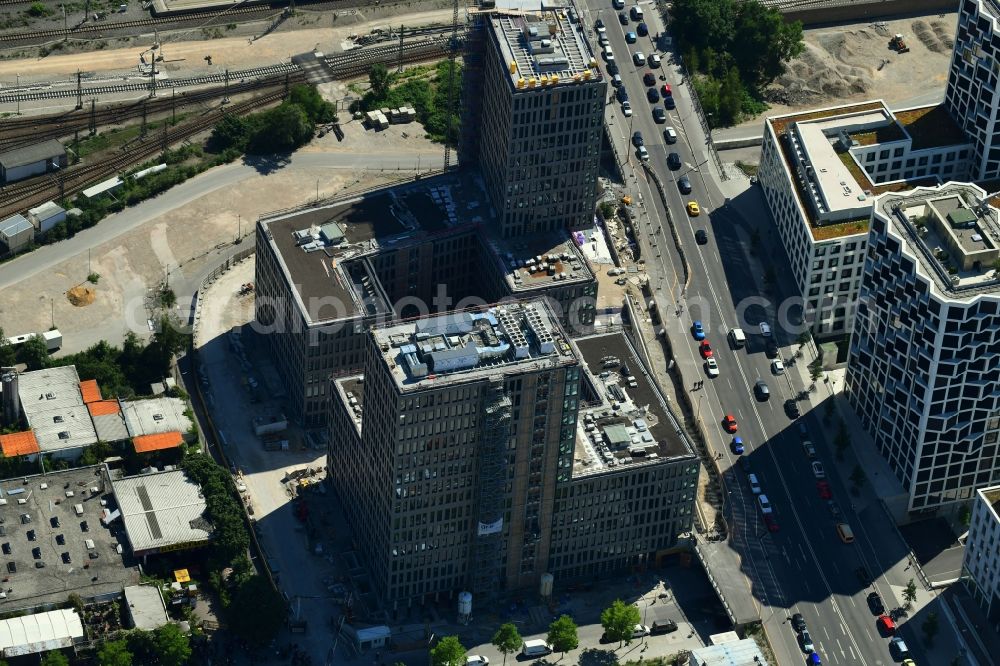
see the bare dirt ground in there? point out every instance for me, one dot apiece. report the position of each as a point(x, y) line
point(850, 63)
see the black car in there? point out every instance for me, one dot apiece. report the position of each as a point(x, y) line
point(612, 68)
point(798, 622)
point(674, 161)
point(803, 430)
point(684, 185)
point(792, 409)
point(864, 577)
point(649, 79)
point(659, 115)
point(637, 139)
point(642, 29)
point(701, 236)
point(669, 102)
point(622, 18)
point(598, 23)
point(771, 348)
point(875, 604)
point(621, 94)
point(761, 391)
point(652, 95)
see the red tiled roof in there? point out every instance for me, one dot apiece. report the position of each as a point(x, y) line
point(103, 407)
point(165, 440)
point(19, 444)
point(90, 391)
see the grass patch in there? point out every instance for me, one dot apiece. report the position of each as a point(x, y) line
point(749, 169)
point(891, 132)
point(120, 136)
point(429, 96)
point(829, 231)
point(856, 171)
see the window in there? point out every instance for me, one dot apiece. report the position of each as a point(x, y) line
point(883, 155)
point(897, 152)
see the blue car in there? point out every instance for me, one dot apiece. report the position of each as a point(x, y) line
point(737, 446)
point(630, 37)
point(814, 659)
point(643, 30)
point(698, 330)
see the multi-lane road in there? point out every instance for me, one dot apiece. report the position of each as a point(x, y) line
point(803, 567)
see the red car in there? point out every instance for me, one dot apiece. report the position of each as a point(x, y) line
point(729, 423)
point(649, 79)
point(772, 524)
point(824, 490)
point(667, 92)
point(886, 625)
point(705, 349)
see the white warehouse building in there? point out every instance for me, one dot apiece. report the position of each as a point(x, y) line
point(924, 361)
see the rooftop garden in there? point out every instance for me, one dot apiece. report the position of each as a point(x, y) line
point(890, 132)
point(931, 127)
point(781, 124)
point(849, 228)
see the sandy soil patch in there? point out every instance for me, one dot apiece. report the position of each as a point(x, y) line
point(81, 295)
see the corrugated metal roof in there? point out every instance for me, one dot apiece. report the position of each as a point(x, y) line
point(740, 653)
point(46, 210)
point(110, 427)
point(54, 409)
point(31, 154)
point(39, 632)
point(14, 225)
point(18, 444)
point(161, 509)
point(90, 391)
point(157, 442)
point(155, 415)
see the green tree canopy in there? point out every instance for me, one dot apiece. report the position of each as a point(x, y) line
point(34, 353)
point(54, 658)
point(379, 79)
point(173, 648)
point(762, 42)
point(114, 653)
point(260, 626)
point(507, 640)
point(619, 620)
point(282, 129)
point(317, 109)
point(448, 652)
point(563, 635)
point(8, 356)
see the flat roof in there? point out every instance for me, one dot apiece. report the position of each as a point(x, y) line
point(638, 413)
point(52, 502)
point(154, 416)
point(162, 509)
point(41, 632)
point(353, 394)
point(743, 652)
point(328, 285)
point(992, 497)
point(920, 218)
point(542, 48)
point(539, 260)
point(468, 346)
point(37, 152)
point(15, 224)
point(54, 408)
point(47, 210)
point(145, 607)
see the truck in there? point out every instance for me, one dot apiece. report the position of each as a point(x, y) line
point(53, 339)
point(662, 622)
point(267, 425)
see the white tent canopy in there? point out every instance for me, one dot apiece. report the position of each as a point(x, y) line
point(40, 632)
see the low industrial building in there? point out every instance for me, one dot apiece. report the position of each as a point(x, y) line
point(144, 607)
point(157, 423)
point(325, 274)
point(55, 542)
point(16, 233)
point(41, 632)
point(46, 216)
point(162, 511)
point(728, 649)
point(54, 410)
point(33, 160)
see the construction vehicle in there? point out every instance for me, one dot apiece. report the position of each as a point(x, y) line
point(898, 45)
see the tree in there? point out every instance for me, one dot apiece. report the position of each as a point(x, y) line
point(448, 652)
point(762, 41)
point(562, 635)
point(858, 478)
point(281, 130)
point(316, 108)
point(8, 356)
point(172, 646)
point(910, 593)
point(507, 640)
point(964, 515)
point(930, 627)
point(34, 353)
point(842, 440)
point(816, 368)
point(619, 620)
point(54, 658)
point(259, 627)
point(379, 79)
point(114, 653)
point(231, 132)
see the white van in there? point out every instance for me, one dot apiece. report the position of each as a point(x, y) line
point(754, 484)
point(637, 13)
point(609, 55)
point(644, 156)
point(536, 648)
point(737, 337)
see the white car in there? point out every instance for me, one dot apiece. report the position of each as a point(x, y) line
point(654, 60)
point(643, 153)
point(818, 470)
point(627, 109)
point(777, 367)
point(639, 58)
point(640, 631)
point(765, 329)
point(765, 504)
point(711, 367)
point(808, 447)
point(476, 660)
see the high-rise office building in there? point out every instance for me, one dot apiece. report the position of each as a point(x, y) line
point(924, 363)
point(464, 462)
point(973, 97)
point(540, 128)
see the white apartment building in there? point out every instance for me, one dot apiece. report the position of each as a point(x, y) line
point(819, 171)
point(973, 98)
point(924, 365)
point(981, 564)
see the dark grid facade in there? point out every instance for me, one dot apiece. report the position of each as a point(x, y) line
point(923, 376)
point(972, 97)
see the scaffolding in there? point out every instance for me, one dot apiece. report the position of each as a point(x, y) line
point(487, 546)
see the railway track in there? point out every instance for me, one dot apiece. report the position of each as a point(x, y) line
point(20, 197)
point(359, 61)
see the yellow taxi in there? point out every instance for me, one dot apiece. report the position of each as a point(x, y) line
point(693, 209)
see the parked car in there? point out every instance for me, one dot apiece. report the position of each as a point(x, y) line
point(765, 504)
point(642, 29)
point(670, 135)
point(737, 446)
point(777, 367)
point(705, 349)
point(798, 622)
point(771, 523)
point(806, 641)
point(885, 625)
point(630, 37)
point(818, 471)
point(674, 161)
point(659, 116)
point(698, 330)
point(622, 18)
point(898, 648)
point(875, 604)
point(711, 367)
point(627, 109)
point(649, 79)
point(669, 103)
point(729, 423)
point(652, 96)
point(637, 139)
point(823, 488)
point(792, 409)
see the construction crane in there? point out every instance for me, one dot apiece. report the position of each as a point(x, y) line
point(452, 57)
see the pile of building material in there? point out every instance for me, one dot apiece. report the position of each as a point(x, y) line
point(376, 120)
point(402, 115)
